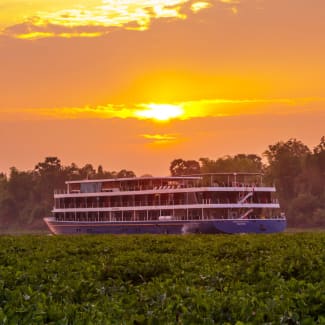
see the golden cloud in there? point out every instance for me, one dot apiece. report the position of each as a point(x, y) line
point(198, 6)
point(181, 111)
point(96, 18)
point(160, 138)
point(127, 14)
point(230, 2)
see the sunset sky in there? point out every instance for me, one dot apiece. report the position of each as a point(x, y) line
point(136, 84)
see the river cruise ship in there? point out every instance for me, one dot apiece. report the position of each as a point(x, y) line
point(208, 203)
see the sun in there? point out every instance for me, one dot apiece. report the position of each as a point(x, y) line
point(160, 112)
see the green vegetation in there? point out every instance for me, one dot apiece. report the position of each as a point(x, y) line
point(254, 279)
point(26, 197)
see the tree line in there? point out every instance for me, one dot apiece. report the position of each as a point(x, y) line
point(298, 172)
point(26, 197)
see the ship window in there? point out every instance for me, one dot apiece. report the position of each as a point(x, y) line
point(90, 187)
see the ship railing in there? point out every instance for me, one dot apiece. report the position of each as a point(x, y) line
point(171, 203)
point(163, 187)
point(113, 218)
point(60, 191)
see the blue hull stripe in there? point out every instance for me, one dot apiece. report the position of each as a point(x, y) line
point(229, 226)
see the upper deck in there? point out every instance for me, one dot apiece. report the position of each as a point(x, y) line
point(224, 181)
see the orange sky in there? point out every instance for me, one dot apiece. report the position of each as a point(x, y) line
point(89, 80)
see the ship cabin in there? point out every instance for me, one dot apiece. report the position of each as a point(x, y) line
point(234, 180)
point(222, 195)
point(131, 184)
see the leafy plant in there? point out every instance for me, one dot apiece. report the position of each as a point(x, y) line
point(163, 279)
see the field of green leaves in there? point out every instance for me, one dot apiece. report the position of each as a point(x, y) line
point(194, 279)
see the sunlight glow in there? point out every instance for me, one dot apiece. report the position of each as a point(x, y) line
point(160, 112)
point(181, 111)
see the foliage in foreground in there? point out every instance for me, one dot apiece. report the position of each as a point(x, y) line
point(163, 279)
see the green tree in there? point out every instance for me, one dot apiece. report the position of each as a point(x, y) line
point(301, 209)
point(71, 172)
point(88, 172)
point(180, 167)
point(286, 161)
point(22, 191)
point(320, 148)
point(101, 173)
point(48, 166)
point(125, 174)
point(7, 204)
point(239, 163)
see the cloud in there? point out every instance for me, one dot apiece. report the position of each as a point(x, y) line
point(198, 6)
point(160, 138)
point(230, 2)
point(101, 17)
point(181, 111)
point(126, 14)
